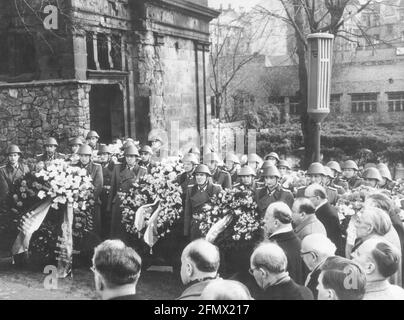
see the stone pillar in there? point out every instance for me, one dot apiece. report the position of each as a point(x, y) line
point(80, 57)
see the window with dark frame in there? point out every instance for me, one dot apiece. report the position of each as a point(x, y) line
point(364, 103)
point(395, 101)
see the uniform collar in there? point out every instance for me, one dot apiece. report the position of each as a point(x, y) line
point(273, 189)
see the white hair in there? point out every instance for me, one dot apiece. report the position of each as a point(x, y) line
point(319, 244)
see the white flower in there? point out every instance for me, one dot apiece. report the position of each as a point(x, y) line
point(41, 194)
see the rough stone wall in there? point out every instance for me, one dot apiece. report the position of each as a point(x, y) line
point(30, 113)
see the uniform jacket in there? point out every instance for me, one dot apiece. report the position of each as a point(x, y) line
point(309, 226)
point(94, 170)
point(148, 165)
point(8, 178)
point(222, 178)
point(73, 158)
point(184, 180)
point(340, 189)
point(107, 170)
point(195, 199)
point(234, 176)
point(253, 187)
point(264, 198)
point(43, 157)
point(291, 244)
point(341, 183)
point(354, 182)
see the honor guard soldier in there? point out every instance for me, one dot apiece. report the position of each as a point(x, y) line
point(219, 176)
point(196, 197)
point(190, 161)
point(246, 179)
point(336, 169)
point(123, 177)
point(254, 161)
point(273, 157)
point(260, 178)
point(146, 153)
point(92, 139)
point(350, 172)
point(328, 181)
point(104, 156)
point(387, 181)
point(74, 158)
point(284, 169)
point(50, 151)
point(156, 142)
point(272, 191)
point(232, 163)
point(94, 170)
point(371, 177)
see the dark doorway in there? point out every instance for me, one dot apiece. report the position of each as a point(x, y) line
point(142, 116)
point(107, 112)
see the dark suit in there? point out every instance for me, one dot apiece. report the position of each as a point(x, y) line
point(312, 280)
point(291, 244)
point(264, 198)
point(107, 170)
point(222, 178)
point(287, 290)
point(195, 199)
point(122, 181)
point(328, 216)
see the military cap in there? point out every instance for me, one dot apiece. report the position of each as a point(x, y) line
point(316, 168)
point(85, 149)
point(76, 142)
point(51, 142)
point(246, 171)
point(334, 165)
point(103, 148)
point(202, 168)
point(272, 155)
point(372, 173)
point(92, 134)
point(271, 171)
point(350, 164)
point(284, 163)
point(13, 149)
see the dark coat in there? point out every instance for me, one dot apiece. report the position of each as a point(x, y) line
point(328, 216)
point(234, 176)
point(122, 181)
point(222, 178)
point(288, 290)
point(354, 182)
point(195, 199)
point(128, 297)
point(194, 291)
point(264, 198)
point(9, 177)
point(107, 170)
point(148, 165)
point(184, 180)
point(291, 244)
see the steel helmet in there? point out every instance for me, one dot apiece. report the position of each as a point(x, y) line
point(284, 163)
point(370, 165)
point(328, 172)
point(266, 164)
point(246, 171)
point(232, 157)
point(147, 149)
point(85, 149)
point(384, 171)
point(103, 148)
point(51, 142)
point(334, 165)
point(316, 168)
point(92, 134)
point(271, 171)
point(131, 150)
point(253, 157)
point(202, 168)
point(350, 164)
point(13, 148)
point(272, 155)
point(190, 157)
point(212, 156)
point(76, 142)
point(372, 173)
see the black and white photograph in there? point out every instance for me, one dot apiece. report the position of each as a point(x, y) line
point(204, 150)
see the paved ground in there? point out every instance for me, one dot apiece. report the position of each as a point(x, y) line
point(29, 285)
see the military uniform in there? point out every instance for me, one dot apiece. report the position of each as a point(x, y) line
point(184, 180)
point(340, 183)
point(234, 176)
point(45, 158)
point(221, 178)
point(354, 182)
point(340, 189)
point(388, 186)
point(265, 197)
point(107, 170)
point(122, 181)
point(73, 159)
point(148, 165)
point(253, 187)
point(195, 199)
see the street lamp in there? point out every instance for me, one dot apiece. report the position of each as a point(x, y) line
point(319, 82)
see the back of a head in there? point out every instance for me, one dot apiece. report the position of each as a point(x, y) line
point(118, 264)
point(270, 256)
point(204, 255)
point(379, 220)
point(319, 244)
point(280, 211)
point(304, 205)
point(226, 290)
point(386, 258)
point(316, 190)
point(382, 201)
point(345, 277)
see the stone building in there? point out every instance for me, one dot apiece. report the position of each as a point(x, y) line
point(120, 67)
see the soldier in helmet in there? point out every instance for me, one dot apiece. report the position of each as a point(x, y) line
point(273, 158)
point(336, 169)
point(254, 161)
point(272, 191)
point(247, 179)
point(190, 161)
point(94, 170)
point(284, 169)
point(123, 177)
point(92, 139)
point(232, 163)
point(156, 142)
point(219, 176)
point(197, 195)
point(104, 156)
point(50, 151)
point(371, 177)
point(328, 180)
point(75, 144)
point(387, 181)
point(146, 153)
point(350, 172)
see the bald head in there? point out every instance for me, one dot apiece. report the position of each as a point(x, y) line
point(316, 193)
point(316, 248)
point(226, 290)
point(271, 257)
point(203, 254)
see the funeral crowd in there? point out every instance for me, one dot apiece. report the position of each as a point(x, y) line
point(332, 232)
